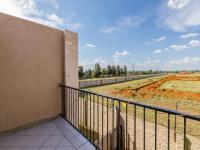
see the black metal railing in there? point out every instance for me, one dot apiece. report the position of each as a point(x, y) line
point(116, 124)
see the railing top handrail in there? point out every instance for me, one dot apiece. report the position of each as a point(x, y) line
point(161, 109)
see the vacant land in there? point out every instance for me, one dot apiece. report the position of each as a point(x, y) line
point(181, 91)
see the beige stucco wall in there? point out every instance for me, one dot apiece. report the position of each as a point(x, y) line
point(31, 66)
point(71, 64)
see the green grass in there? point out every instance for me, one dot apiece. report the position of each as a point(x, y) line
point(184, 86)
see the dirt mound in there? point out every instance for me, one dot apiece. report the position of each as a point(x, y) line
point(150, 90)
point(171, 93)
point(125, 93)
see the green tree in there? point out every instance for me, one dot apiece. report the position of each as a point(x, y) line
point(125, 70)
point(81, 72)
point(97, 70)
point(121, 71)
point(109, 70)
point(104, 71)
point(113, 70)
point(89, 73)
point(118, 70)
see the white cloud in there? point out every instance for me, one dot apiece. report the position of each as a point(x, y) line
point(178, 47)
point(100, 60)
point(158, 51)
point(130, 21)
point(123, 53)
point(162, 38)
point(180, 15)
point(148, 63)
point(109, 29)
point(177, 4)
point(31, 10)
point(184, 61)
point(90, 45)
point(55, 18)
point(91, 63)
point(124, 22)
point(189, 35)
point(190, 44)
point(166, 49)
point(194, 43)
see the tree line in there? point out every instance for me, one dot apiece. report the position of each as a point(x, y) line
point(98, 71)
point(110, 71)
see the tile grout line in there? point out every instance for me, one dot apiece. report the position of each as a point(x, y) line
point(44, 141)
point(65, 135)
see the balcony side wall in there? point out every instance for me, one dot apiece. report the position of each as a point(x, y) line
point(31, 66)
point(71, 59)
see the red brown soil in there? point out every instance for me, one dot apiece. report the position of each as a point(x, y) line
point(153, 89)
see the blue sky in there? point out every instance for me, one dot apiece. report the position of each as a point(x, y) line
point(144, 34)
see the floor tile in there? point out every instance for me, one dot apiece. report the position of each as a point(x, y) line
point(37, 141)
point(65, 148)
point(17, 141)
point(47, 148)
point(57, 134)
point(53, 141)
point(10, 148)
point(29, 148)
point(87, 146)
point(47, 131)
point(65, 143)
point(78, 140)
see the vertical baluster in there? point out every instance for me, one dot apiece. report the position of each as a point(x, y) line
point(67, 105)
point(126, 125)
point(90, 117)
point(98, 118)
point(102, 121)
point(184, 133)
point(80, 123)
point(70, 105)
point(113, 123)
point(107, 123)
point(118, 126)
point(78, 107)
point(93, 117)
point(135, 128)
point(168, 141)
point(155, 130)
point(73, 106)
point(144, 128)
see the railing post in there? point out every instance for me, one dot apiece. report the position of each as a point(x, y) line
point(63, 105)
point(86, 113)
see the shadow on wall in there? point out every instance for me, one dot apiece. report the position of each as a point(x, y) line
point(114, 140)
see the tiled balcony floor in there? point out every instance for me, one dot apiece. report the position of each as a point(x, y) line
point(52, 135)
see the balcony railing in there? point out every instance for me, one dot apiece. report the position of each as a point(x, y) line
point(116, 124)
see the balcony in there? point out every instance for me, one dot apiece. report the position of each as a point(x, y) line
point(53, 134)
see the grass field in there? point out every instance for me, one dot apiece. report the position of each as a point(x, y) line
point(189, 86)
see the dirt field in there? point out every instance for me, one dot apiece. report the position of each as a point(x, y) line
point(180, 87)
